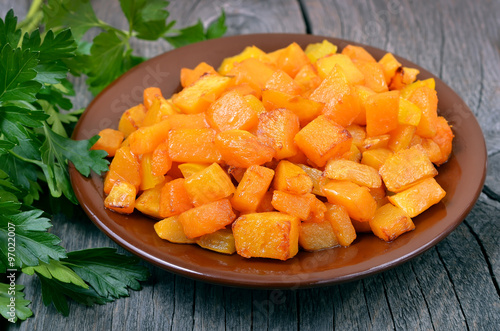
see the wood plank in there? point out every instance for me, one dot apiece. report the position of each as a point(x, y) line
point(316, 309)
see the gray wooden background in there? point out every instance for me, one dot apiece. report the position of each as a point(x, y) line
point(453, 286)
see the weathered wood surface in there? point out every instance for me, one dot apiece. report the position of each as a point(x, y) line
point(453, 286)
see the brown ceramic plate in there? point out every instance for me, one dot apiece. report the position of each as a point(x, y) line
point(462, 178)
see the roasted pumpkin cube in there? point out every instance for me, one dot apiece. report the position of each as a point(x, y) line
point(237, 173)
point(376, 157)
point(189, 169)
point(249, 52)
point(132, 119)
point(409, 89)
point(374, 75)
point(109, 140)
point(187, 121)
point(270, 235)
point(382, 111)
point(323, 139)
point(444, 137)
point(419, 197)
point(150, 95)
point(390, 222)
point(197, 97)
point(389, 65)
point(255, 104)
point(206, 219)
point(231, 111)
point(341, 224)
point(304, 108)
point(160, 160)
point(281, 81)
point(193, 145)
point(148, 178)
point(266, 203)
point(147, 138)
point(158, 111)
point(308, 79)
point(171, 229)
point(124, 167)
point(174, 198)
point(401, 137)
point(381, 141)
point(340, 169)
point(252, 188)
point(318, 210)
point(405, 168)
point(358, 53)
point(327, 63)
point(317, 236)
point(403, 77)
point(426, 99)
point(221, 241)
point(318, 50)
point(362, 93)
point(292, 59)
point(242, 149)
point(189, 76)
point(316, 176)
point(293, 204)
point(409, 113)
point(277, 128)
point(121, 198)
point(149, 201)
point(357, 200)
point(253, 72)
point(291, 178)
point(209, 184)
point(431, 149)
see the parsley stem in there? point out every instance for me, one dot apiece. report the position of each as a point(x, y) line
point(33, 18)
point(36, 162)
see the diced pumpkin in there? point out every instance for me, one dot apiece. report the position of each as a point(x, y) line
point(160, 160)
point(150, 95)
point(230, 112)
point(252, 188)
point(291, 178)
point(316, 176)
point(389, 65)
point(361, 227)
point(341, 224)
point(266, 203)
point(132, 119)
point(148, 178)
point(362, 93)
point(208, 185)
point(237, 172)
point(357, 200)
point(318, 50)
point(401, 137)
point(382, 111)
point(174, 198)
point(354, 154)
point(419, 197)
point(427, 100)
point(307, 78)
point(405, 168)
point(206, 219)
point(381, 141)
point(323, 139)
point(358, 134)
point(252, 233)
point(221, 241)
point(189, 76)
point(431, 149)
point(409, 89)
point(147, 138)
point(277, 128)
point(197, 97)
point(253, 72)
point(148, 202)
point(171, 229)
point(249, 52)
point(189, 169)
point(187, 121)
point(193, 145)
point(409, 113)
point(293, 204)
point(109, 140)
point(281, 81)
point(390, 222)
point(242, 149)
point(124, 167)
point(292, 59)
point(340, 169)
point(317, 236)
point(160, 109)
point(304, 108)
point(403, 77)
point(358, 53)
point(318, 210)
point(121, 198)
point(327, 63)
point(376, 157)
point(255, 104)
point(444, 137)
point(374, 75)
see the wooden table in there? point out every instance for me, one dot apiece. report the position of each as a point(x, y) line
point(453, 286)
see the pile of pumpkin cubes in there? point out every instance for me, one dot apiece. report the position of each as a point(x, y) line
point(281, 150)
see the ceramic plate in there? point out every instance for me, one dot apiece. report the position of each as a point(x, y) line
point(462, 177)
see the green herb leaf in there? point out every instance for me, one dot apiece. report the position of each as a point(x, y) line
point(147, 18)
point(108, 272)
point(217, 28)
point(56, 269)
point(54, 46)
point(21, 310)
point(189, 35)
point(9, 34)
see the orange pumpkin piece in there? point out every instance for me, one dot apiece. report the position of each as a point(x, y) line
point(316, 51)
point(405, 168)
point(444, 137)
point(237, 173)
point(253, 72)
point(121, 198)
point(197, 97)
point(354, 154)
point(382, 113)
point(317, 236)
point(124, 167)
point(206, 219)
point(381, 141)
point(357, 200)
point(323, 139)
point(231, 111)
point(270, 235)
point(252, 188)
point(147, 138)
point(221, 241)
point(187, 121)
point(376, 157)
point(132, 119)
point(277, 128)
point(109, 140)
point(281, 81)
point(374, 75)
point(389, 65)
point(242, 149)
point(292, 204)
point(304, 108)
point(403, 77)
point(316, 176)
point(401, 137)
point(189, 169)
point(149, 96)
point(249, 52)
point(189, 76)
point(149, 201)
point(431, 149)
point(357, 53)
point(426, 99)
point(266, 203)
point(292, 59)
point(148, 178)
point(255, 104)
point(340, 169)
point(390, 222)
point(361, 227)
point(158, 111)
point(160, 160)
point(171, 229)
point(341, 224)
point(326, 64)
point(409, 89)
point(307, 78)
point(193, 145)
point(419, 197)
point(362, 93)
point(409, 113)
point(291, 178)
point(209, 184)
point(174, 198)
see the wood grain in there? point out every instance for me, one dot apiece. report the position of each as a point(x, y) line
point(452, 286)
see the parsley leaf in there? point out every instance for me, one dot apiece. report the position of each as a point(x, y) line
point(108, 272)
point(217, 28)
point(9, 34)
point(147, 18)
point(56, 269)
point(22, 311)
